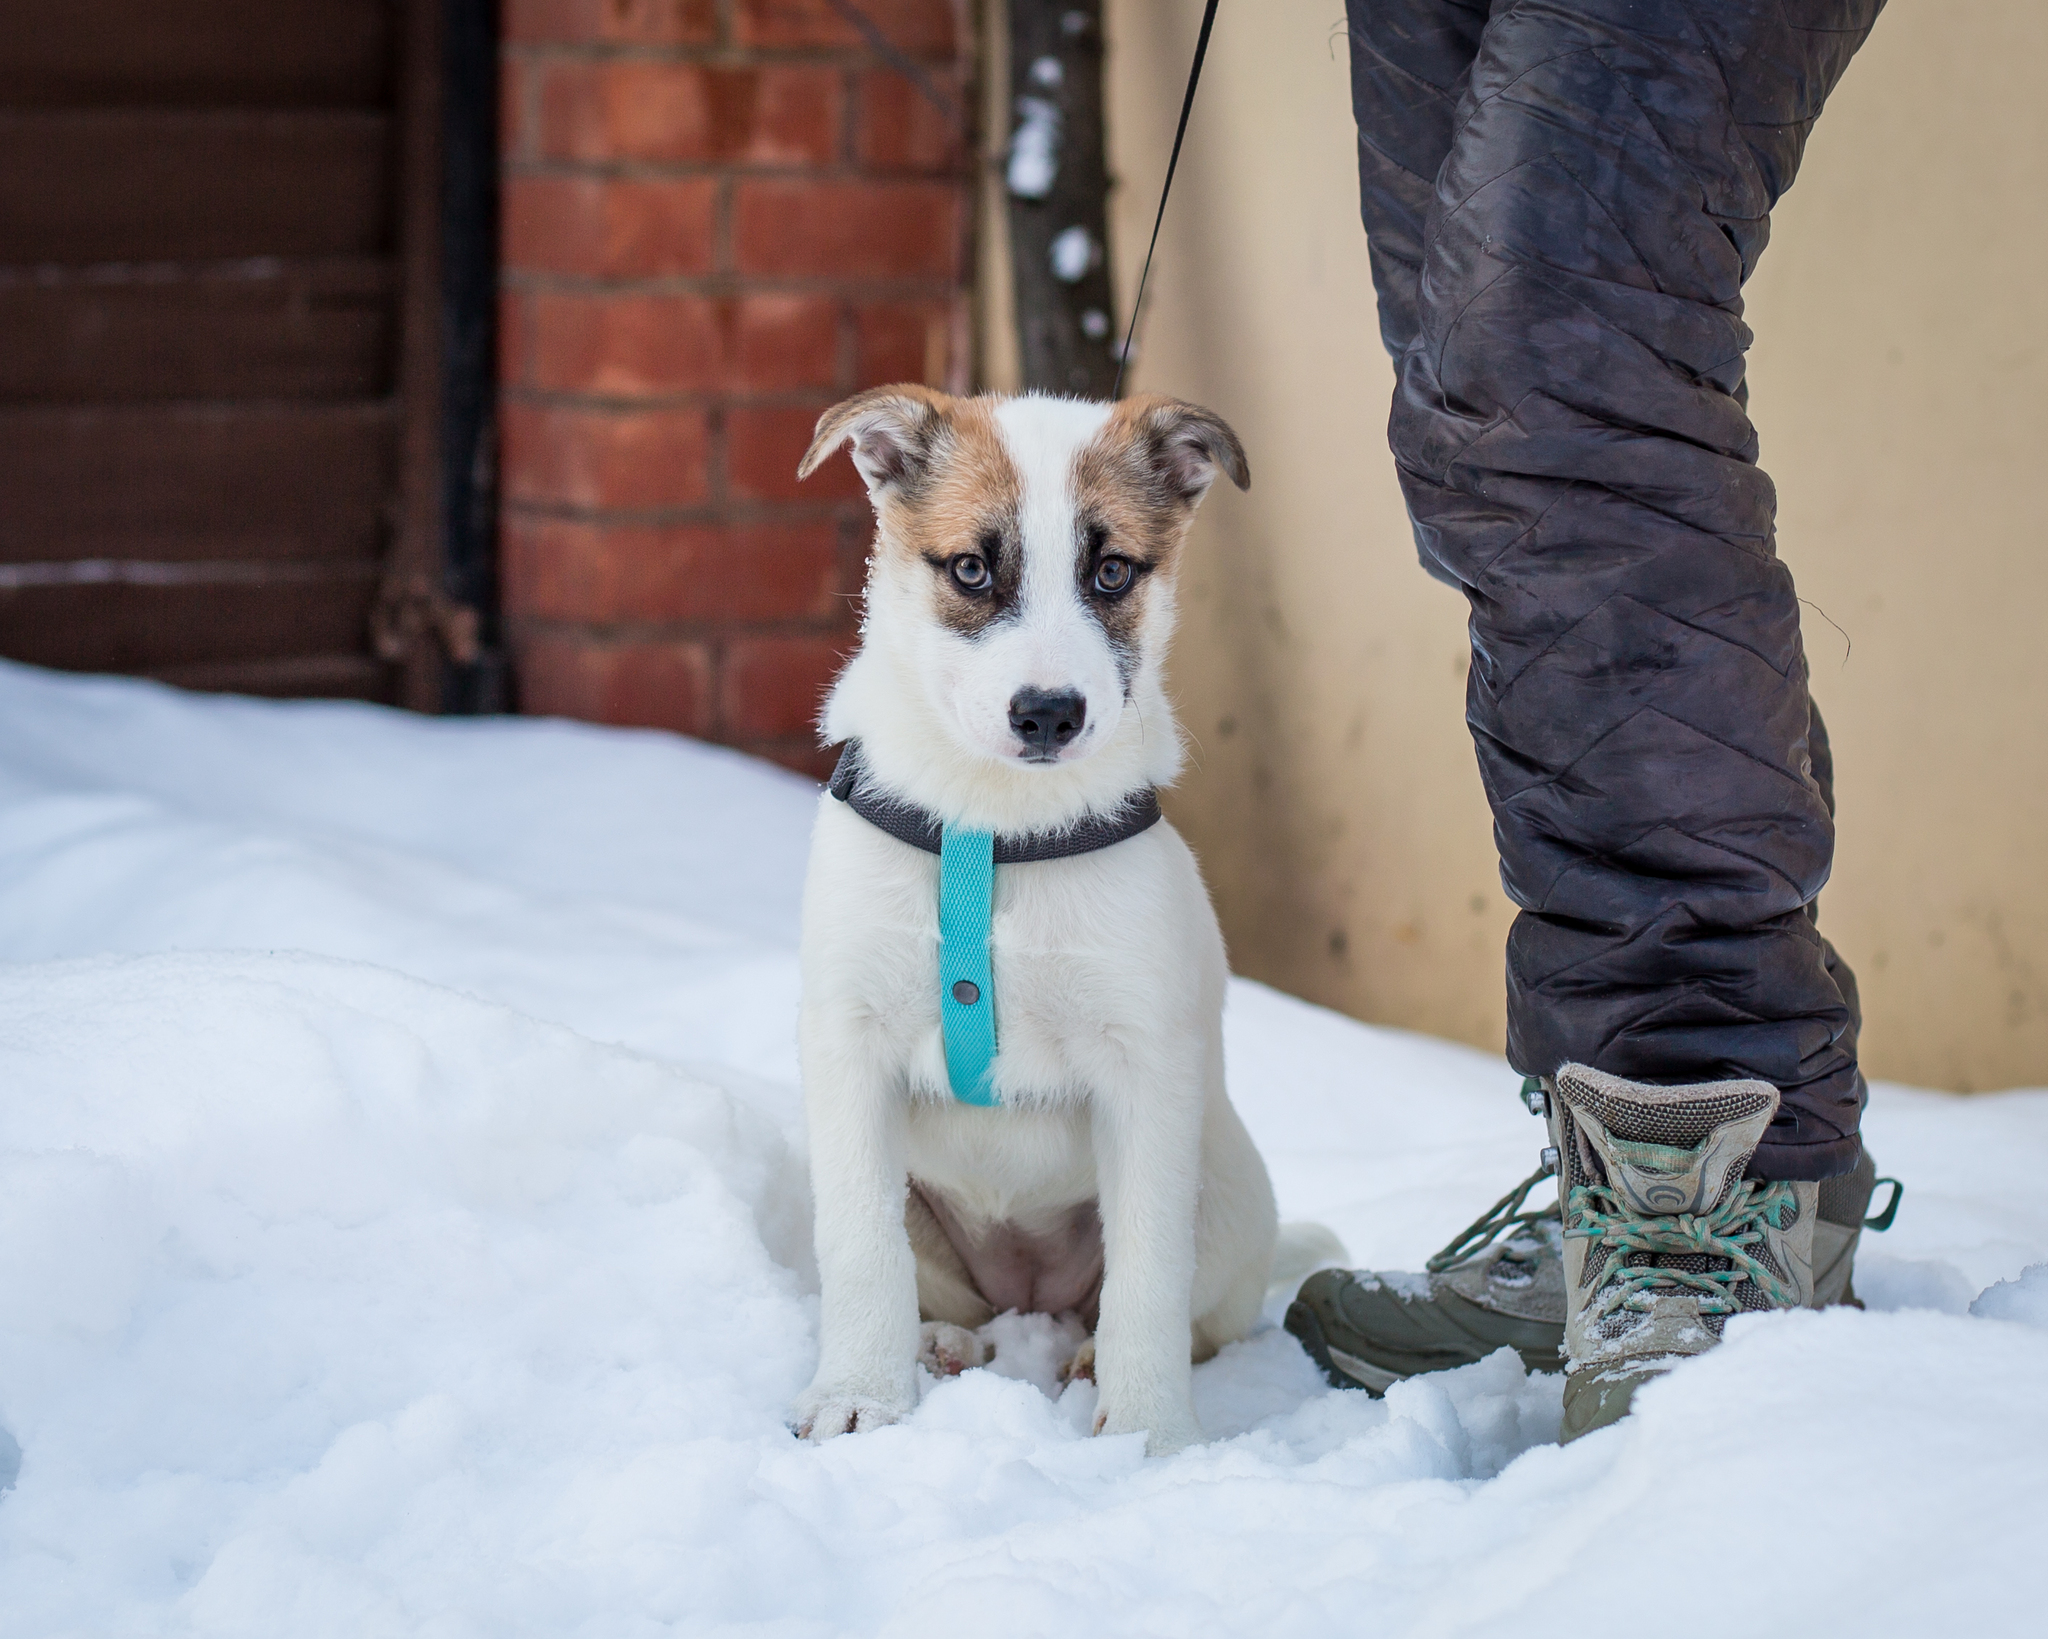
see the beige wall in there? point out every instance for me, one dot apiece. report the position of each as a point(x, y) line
point(1900, 382)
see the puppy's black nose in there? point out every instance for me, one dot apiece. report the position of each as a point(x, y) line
point(1046, 722)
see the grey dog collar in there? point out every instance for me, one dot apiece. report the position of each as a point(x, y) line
point(921, 828)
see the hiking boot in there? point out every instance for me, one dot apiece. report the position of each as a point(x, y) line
point(1501, 1284)
point(1481, 1293)
point(1664, 1238)
point(1838, 1225)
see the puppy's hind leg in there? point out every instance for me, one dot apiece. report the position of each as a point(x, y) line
point(945, 1286)
point(946, 1350)
point(1080, 1369)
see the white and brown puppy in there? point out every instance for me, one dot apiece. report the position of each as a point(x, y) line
point(1020, 601)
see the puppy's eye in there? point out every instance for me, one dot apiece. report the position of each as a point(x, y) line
point(970, 572)
point(1113, 576)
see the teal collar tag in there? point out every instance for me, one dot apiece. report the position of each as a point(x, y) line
point(967, 995)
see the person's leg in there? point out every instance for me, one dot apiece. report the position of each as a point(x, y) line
point(1824, 781)
point(1572, 443)
point(1661, 965)
point(1412, 66)
point(1410, 60)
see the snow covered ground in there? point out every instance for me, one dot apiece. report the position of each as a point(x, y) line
point(403, 1231)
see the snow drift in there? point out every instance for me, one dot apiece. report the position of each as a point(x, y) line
point(403, 1231)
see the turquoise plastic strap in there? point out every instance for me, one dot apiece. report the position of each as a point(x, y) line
point(967, 993)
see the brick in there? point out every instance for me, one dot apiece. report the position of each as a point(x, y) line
point(630, 345)
point(875, 230)
point(919, 27)
point(901, 341)
point(690, 113)
point(763, 446)
point(774, 686)
point(610, 229)
point(639, 685)
point(774, 342)
point(515, 343)
point(623, 345)
point(607, 459)
point(515, 131)
point(561, 569)
point(898, 129)
point(594, 22)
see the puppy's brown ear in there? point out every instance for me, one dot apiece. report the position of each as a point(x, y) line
point(1189, 445)
point(895, 433)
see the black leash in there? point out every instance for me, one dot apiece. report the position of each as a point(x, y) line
point(1187, 107)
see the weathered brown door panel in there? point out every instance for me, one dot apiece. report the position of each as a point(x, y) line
point(109, 624)
point(219, 333)
point(264, 482)
point(196, 53)
point(263, 330)
point(79, 187)
point(324, 676)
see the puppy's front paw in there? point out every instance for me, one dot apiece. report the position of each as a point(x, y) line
point(822, 1414)
point(1165, 1432)
point(946, 1350)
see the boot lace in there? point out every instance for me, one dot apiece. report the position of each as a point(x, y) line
point(1502, 1218)
point(1597, 1213)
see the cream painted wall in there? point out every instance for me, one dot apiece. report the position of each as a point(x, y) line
point(1898, 382)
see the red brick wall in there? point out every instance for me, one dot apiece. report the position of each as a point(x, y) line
point(720, 216)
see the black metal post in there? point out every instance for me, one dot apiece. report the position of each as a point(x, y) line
point(1057, 180)
point(469, 301)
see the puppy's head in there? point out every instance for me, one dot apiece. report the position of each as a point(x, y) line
point(1026, 553)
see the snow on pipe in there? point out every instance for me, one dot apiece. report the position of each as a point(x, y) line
point(1074, 253)
point(1035, 147)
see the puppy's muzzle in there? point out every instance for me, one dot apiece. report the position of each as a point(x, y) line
point(1046, 722)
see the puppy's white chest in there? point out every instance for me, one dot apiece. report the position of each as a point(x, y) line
point(1091, 956)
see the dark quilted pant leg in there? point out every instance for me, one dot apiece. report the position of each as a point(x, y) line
point(1409, 63)
point(1571, 438)
point(1845, 979)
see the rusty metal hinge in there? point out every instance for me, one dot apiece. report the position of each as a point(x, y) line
point(410, 610)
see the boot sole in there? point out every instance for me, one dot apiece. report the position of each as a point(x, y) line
point(1308, 1332)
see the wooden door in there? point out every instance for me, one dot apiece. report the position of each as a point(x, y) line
point(219, 343)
